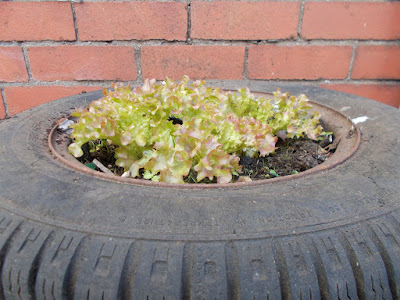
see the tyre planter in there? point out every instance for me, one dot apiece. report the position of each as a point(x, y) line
point(329, 234)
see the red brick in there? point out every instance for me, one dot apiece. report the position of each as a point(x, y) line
point(23, 98)
point(36, 21)
point(12, 65)
point(385, 93)
point(244, 20)
point(198, 62)
point(131, 20)
point(2, 108)
point(357, 20)
point(376, 62)
point(82, 63)
point(298, 62)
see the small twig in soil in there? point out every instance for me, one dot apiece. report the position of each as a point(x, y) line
point(102, 167)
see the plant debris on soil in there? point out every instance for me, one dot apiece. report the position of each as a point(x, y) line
point(291, 156)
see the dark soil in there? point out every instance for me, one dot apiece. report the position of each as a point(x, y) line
point(291, 156)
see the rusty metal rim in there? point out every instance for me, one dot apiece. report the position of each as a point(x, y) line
point(339, 124)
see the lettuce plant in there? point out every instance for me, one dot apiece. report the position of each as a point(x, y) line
point(167, 131)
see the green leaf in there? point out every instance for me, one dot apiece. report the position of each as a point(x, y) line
point(75, 150)
point(147, 174)
point(217, 127)
point(91, 165)
point(273, 173)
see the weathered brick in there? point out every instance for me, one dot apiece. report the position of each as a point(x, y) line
point(376, 62)
point(36, 21)
point(244, 20)
point(198, 62)
point(351, 20)
point(12, 65)
point(2, 108)
point(298, 62)
point(23, 98)
point(385, 93)
point(131, 20)
point(82, 63)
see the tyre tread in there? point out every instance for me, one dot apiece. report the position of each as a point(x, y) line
point(367, 264)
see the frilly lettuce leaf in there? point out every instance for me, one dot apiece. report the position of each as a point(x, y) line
point(217, 128)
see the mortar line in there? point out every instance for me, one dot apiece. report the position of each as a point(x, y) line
point(353, 54)
point(101, 83)
point(205, 42)
point(27, 63)
point(246, 57)
point(3, 95)
point(80, 1)
point(300, 24)
point(75, 21)
point(189, 22)
point(65, 83)
point(138, 58)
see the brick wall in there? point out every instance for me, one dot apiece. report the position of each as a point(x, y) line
point(52, 49)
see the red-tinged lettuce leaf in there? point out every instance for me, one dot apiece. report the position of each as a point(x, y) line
point(215, 128)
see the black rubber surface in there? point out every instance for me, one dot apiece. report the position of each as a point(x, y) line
point(331, 235)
